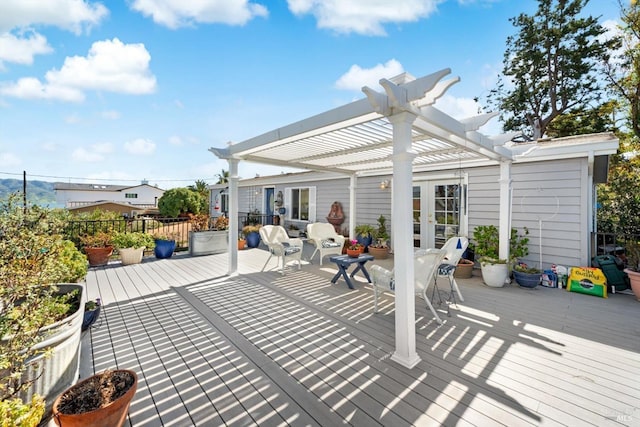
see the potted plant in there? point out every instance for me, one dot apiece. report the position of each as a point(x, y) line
point(40, 315)
point(252, 235)
point(101, 400)
point(241, 242)
point(293, 231)
point(495, 271)
point(380, 249)
point(354, 248)
point(131, 246)
point(165, 245)
point(525, 276)
point(208, 237)
point(632, 252)
point(464, 269)
point(364, 234)
point(98, 247)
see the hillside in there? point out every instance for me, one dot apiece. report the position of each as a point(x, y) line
point(38, 192)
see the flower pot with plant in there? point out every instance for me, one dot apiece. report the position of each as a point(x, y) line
point(364, 234)
point(242, 242)
point(101, 400)
point(98, 247)
point(252, 235)
point(495, 271)
point(354, 248)
point(165, 245)
point(525, 276)
point(208, 237)
point(380, 248)
point(131, 246)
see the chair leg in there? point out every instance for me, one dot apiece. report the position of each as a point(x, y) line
point(375, 298)
point(433, 310)
point(314, 254)
point(454, 287)
point(265, 264)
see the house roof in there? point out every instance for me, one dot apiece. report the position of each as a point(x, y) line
point(97, 187)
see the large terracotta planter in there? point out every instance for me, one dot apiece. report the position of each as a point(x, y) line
point(111, 415)
point(494, 275)
point(634, 278)
point(98, 256)
point(464, 269)
point(379, 253)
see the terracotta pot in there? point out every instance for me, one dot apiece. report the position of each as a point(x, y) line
point(464, 269)
point(112, 415)
point(379, 253)
point(354, 253)
point(241, 244)
point(98, 256)
point(634, 278)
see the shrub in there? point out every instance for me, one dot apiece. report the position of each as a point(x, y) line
point(133, 240)
point(34, 256)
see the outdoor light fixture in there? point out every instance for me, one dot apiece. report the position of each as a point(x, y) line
point(384, 184)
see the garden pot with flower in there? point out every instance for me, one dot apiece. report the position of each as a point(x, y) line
point(354, 249)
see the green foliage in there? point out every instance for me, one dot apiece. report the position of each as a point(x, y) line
point(381, 234)
point(619, 198)
point(176, 201)
point(13, 412)
point(40, 193)
point(487, 244)
point(133, 240)
point(551, 66)
point(34, 256)
point(365, 230)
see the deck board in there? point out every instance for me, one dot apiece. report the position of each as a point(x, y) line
point(266, 349)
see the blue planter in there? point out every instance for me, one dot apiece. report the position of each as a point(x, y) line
point(164, 248)
point(253, 239)
point(527, 280)
point(364, 241)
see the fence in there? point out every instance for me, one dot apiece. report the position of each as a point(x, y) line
point(613, 244)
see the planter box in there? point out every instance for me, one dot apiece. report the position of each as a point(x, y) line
point(208, 242)
point(61, 369)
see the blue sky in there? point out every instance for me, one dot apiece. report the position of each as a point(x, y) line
point(126, 90)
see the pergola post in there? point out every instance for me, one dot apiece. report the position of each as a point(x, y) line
point(402, 224)
point(233, 216)
point(353, 185)
point(505, 209)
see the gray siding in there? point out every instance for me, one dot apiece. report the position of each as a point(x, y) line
point(552, 192)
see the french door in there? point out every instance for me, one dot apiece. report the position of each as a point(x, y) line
point(439, 211)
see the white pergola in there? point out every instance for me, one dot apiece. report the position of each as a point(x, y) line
point(399, 131)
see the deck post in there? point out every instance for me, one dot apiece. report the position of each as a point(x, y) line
point(402, 226)
point(233, 216)
point(505, 209)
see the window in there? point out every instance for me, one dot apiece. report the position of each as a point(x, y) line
point(301, 203)
point(130, 195)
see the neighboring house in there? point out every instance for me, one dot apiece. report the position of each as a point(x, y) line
point(128, 200)
point(552, 195)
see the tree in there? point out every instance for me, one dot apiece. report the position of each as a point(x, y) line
point(202, 188)
point(551, 64)
point(619, 199)
point(178, 201)
point(223, 177)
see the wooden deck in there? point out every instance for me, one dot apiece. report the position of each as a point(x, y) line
point(265, 349)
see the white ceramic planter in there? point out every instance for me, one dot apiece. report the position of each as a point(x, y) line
point(131, 255)
point(494, 275)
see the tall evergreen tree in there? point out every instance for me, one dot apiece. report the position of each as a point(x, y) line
point(550, 67)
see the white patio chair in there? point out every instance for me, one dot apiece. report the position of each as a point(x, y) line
point(281, 245)
point(426, 263)
point(324, 237)
point(454, 248)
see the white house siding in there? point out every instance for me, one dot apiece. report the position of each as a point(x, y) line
point(80, 194)
point(551, 191)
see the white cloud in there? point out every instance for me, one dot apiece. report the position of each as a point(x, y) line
point(357, 77)
point(181, 13)
point(9, 160)
point(140, 146)
point(72, 118)
point(110, 66)
point(175, 140)
point(72, 15)
point(83, 155)
point(21, 49)
point(365, 17)
point(111, 115)
point(103, 148)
